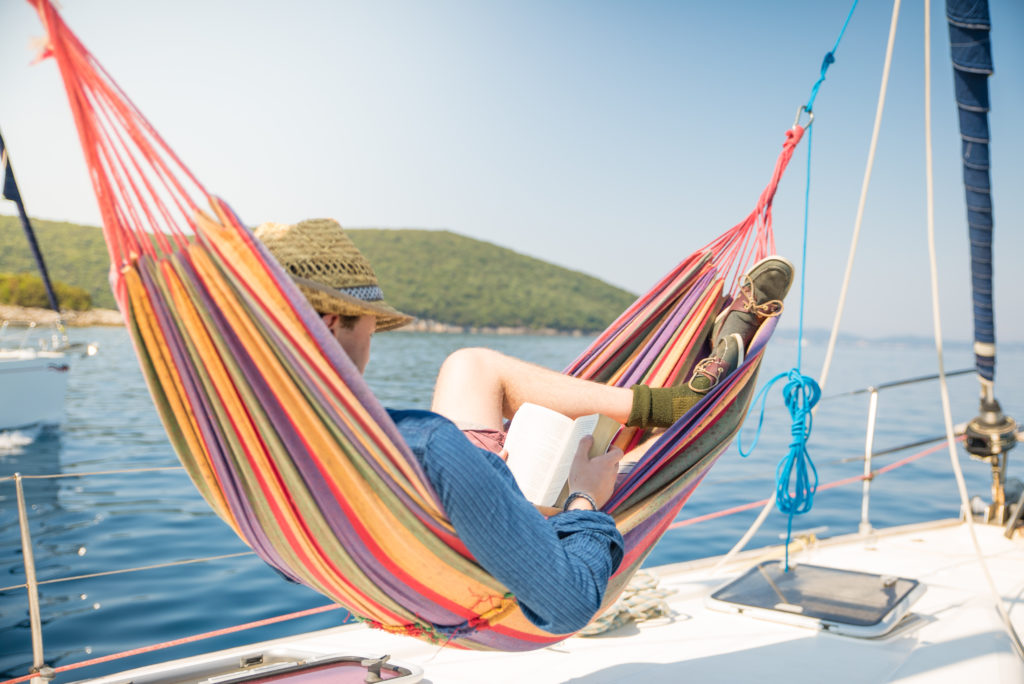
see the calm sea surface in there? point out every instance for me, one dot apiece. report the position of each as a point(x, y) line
point(90, 523)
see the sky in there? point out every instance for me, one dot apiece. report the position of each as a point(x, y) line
point(612, 138)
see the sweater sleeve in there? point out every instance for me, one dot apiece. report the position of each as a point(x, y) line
point(558, 568)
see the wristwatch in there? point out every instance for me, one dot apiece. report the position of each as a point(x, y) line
point(580, 495)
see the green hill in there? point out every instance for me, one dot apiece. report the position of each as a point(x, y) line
point(435, 275)
point(74, 254)
point(455, 279)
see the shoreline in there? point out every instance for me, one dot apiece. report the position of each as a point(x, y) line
point(112, 317)
point(428, 326)
point(72, 319)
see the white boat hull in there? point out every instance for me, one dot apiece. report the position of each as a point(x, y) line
point(32, 388)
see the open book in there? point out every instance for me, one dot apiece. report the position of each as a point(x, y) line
point(541, 444)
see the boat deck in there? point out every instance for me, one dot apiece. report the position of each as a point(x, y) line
point(953, 633)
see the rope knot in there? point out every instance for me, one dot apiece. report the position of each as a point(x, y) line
point(800, 394)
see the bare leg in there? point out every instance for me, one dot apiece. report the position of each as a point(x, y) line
point(478, 388)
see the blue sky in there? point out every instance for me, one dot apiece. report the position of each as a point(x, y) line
point(609, 137)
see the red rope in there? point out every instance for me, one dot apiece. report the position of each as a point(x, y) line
point(837, 483)
point(145, 193)
point(753, 238)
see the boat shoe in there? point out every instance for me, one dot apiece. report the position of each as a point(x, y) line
point(764, 287)
point(725, 358)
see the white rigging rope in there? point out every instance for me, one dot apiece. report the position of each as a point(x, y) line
point(840, 307)
point(937, 323)
point(947, 413)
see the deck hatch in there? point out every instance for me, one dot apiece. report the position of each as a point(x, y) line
point(842, 601)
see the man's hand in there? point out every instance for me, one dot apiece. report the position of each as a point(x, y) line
point(595, 476)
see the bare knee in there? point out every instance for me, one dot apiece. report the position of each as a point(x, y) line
point(469, 362)
point(469, 389)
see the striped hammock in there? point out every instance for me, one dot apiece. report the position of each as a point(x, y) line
point(285, 441)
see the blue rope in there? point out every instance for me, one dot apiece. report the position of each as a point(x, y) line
point(830, 58)
point(796, 478)
point(800, 395)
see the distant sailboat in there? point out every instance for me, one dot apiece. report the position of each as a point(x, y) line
point(34, 361)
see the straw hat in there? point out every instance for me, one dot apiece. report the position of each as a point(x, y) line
point(329, 269)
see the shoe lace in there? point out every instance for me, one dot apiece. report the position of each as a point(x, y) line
point(767, 309)
point(711, 368)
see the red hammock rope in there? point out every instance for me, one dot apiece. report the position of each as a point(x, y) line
point(156, 200)
point(753, 238)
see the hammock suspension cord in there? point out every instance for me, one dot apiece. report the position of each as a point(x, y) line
point(796, 478)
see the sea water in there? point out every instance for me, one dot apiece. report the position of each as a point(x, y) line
point(125, 503)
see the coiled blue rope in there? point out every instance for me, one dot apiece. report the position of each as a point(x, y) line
point(796, 478)
point(794, 497)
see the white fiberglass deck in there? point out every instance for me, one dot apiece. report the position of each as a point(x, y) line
point(953, 634)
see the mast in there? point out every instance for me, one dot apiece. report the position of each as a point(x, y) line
point(991, 434)
point(11, 192)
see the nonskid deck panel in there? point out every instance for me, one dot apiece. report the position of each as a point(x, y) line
point(952, 635)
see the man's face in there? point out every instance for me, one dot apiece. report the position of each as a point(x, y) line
point(355, 340)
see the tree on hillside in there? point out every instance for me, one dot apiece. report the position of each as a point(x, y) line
point(27, 289)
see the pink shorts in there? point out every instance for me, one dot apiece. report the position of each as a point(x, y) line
point(491, 440)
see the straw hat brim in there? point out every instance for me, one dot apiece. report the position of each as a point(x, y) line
point(329, 269)
point(326, 300)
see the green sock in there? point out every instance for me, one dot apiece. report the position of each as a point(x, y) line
point(660, 406)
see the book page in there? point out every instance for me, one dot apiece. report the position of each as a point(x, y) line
point(602, 428)
point(536, 444)
point(604, 432)
point(541, 444)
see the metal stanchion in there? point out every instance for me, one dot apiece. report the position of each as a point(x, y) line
point(38, 664)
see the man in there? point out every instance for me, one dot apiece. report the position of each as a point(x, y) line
point(558, 568)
